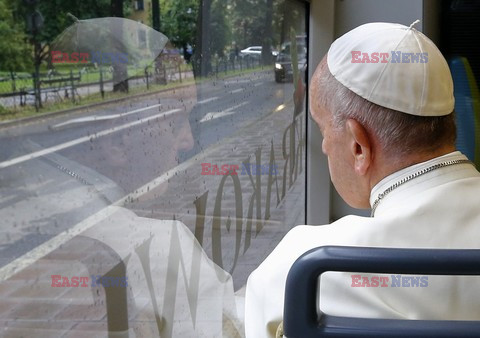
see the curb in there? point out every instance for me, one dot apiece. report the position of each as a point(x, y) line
point(23, 120)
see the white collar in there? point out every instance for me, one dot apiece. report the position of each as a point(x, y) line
point(391, 179)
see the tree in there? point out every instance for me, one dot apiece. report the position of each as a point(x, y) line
point(56, 19)
point(179, 22)
point(220, 30)
point(120, 76)
point(202, 65)
point(248, 22)
point(265, 23)
point(290, 15)
point(15, 52)
point(267, 34)
point(213, 34)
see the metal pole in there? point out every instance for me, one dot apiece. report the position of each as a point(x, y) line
point(35, 90)
point(14, 89)
point(156, 15)
point(72, 85)
point(146, 76)
point(102, 92)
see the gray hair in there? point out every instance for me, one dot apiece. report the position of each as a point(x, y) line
point(397, 133)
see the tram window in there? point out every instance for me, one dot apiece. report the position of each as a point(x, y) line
point(143, 176)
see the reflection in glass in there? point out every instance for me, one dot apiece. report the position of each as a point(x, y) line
point(165, 197)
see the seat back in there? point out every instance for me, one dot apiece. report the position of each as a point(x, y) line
point(467, 109)
point(302, 318)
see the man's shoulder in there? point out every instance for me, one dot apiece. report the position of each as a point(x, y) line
point(347, 230)
point(343, 222)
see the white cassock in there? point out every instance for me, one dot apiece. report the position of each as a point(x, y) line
point(193, 296)
point(440, 209)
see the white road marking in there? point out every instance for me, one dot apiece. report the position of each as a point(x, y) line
point(237, 90)
point(83, 139)
point(258, 84)
point(47, 247)
point(102, 117)
point(208, 100)
point(280, 107)
point(32, 256)
point(238, 81)
point(237, 106)
point(87, 119)
point(215, 115)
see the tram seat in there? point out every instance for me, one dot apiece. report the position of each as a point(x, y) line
point(302, 320)
point(467, 108)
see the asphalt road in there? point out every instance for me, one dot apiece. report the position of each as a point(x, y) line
point(56, 172)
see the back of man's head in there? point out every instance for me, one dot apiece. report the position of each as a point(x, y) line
point(395, 82)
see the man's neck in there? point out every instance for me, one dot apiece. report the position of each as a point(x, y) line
point(386, 166)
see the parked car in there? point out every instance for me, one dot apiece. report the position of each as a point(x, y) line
point(283, 64)
point(255, 52)
point(252, 52)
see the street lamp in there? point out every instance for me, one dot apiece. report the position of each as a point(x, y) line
point(35, 23)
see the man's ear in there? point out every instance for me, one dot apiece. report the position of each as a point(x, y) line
point(360, 146)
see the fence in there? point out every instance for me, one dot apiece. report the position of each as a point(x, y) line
point(23, 89)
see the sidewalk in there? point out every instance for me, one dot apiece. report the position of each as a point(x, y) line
point(237, 224)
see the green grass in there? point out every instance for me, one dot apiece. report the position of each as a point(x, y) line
point(9, 113)
point(92, 76)
point(7, 86)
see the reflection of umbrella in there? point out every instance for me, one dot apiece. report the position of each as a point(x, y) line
point(108, 42)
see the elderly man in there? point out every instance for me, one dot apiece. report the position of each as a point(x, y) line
point(383, 100)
